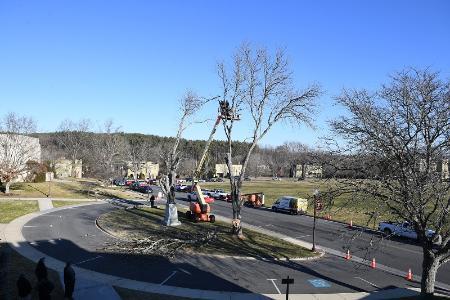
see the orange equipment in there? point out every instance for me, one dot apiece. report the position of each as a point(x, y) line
point(199, 210)
point(373, 265)
point(347, 256)
point(409, 275)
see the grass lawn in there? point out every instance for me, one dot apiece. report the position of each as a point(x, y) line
point(11, 209)
point(57, 203)
point(147, 223)
point(341, 210)
point(69, 188)
point(12, 265)
point(127, 294)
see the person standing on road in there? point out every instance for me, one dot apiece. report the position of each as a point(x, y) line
point(152, 201)
point(45, 288)
point(23, 288)
point(41, 269)
point(69, 281)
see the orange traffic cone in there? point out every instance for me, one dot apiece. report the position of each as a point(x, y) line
point(409, 275)
point(373, 265)
point(347, 256)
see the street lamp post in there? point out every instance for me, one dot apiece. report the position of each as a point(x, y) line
point(315, 196)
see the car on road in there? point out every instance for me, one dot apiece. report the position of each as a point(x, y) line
point(292, 205)
point(128, 182)
point(181, 188)
point(218, 194)
point(119, 182)
point(192, 196)
point(404, 229)
point(146, 189)
point(137, 184)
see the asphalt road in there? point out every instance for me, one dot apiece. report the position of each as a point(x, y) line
point(400, 254)
point(71, 235)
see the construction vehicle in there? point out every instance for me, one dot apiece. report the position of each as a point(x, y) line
point(254, 200)
point(199, 210)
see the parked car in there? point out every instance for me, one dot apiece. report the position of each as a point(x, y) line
point(192, 196)
point(291, 205)
point(218, 194)
point(247, 179)
point(146, 189)
point(128, 182)
point(219, 179)
point(119, 181)
point(180, 188)
point(152, 181)
point(405, 230)
point(137, 184)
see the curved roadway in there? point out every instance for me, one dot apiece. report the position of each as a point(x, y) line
point(71, 235)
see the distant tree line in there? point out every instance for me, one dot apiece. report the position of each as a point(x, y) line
point(103, 149)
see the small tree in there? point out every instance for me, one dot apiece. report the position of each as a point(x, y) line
point(74, 138)
point(189, 105)
point(398, 137)
point(16, 147)
point(108, 148)
point(262, 86)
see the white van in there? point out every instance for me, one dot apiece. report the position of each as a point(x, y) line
point(291, 205)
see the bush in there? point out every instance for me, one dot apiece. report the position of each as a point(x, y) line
point(39, 177)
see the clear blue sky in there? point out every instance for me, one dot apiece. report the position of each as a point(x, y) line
point(132, 60)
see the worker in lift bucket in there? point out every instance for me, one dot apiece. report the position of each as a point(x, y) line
point(225, 109)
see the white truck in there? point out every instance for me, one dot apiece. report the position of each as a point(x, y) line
point(404, 229)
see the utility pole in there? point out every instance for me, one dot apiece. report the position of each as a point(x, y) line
point(315, 196)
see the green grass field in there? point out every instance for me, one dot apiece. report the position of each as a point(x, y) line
point(147, 223)
point(342, 209)
point(85, 188)
point(10, 209)
point(57, 203)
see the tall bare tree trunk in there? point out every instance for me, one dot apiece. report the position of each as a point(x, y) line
point(430, 266)
point(236, 203)
point(7, 184)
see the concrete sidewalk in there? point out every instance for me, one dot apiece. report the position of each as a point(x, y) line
point(45, 204)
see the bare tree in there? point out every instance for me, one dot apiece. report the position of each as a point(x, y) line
point(137, 148)
point(189, 105)
point(262, 86)
point(17, 149)
point(108, 148)
point(74, 137)
point(403, 132)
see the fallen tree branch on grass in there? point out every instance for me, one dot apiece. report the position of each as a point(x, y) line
point(166, 247)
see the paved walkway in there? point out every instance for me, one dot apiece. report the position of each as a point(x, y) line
point(45, 204)
point(101, 284)
point(86, 288)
